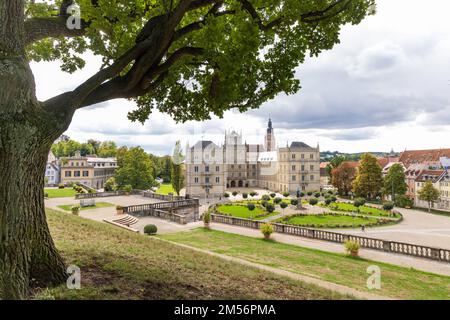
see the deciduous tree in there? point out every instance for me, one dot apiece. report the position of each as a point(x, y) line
point(394, 182)
point(186, 58)
point(429, 194)
point(369, 179)
point(177, 176)
point(343, 177)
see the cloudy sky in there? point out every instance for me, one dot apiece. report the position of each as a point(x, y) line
point(386, 85)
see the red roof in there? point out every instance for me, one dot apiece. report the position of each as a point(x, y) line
point(422, 156)
point(432, 175)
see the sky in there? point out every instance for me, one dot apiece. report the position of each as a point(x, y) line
point(385, 86)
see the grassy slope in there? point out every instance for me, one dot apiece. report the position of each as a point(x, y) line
point(165, 188)
point(67, 207)
point(60, 193)
point(117, 264)
point(396, 282)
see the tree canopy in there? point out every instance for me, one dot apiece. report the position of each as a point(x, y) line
point(187, 58)
point(394, 182)
point(369, 180)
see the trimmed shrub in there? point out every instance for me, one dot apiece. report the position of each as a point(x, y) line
point(270, 208)
point(75, 209)
point(253, 193)
point(277, 200)
point(265, 197)
point(286, 194)
point(313, 201)
point(333, 199)
point(235, 193)
point(317, 194)
point(226, 195)
point(388, 206)
point(403, 201)
point(283, 205)
point(264, 203)
point(294, 202)
point(273, 195)
point(359, 202)
point(150, 229)
point(309, 193)
point(207, 217)
point(245, 195)
point(328, 201)
point(61, 186)
point(251, 206)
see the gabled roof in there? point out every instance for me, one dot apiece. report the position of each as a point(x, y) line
point(422, 156)
point(299, 145)
point(433, 175)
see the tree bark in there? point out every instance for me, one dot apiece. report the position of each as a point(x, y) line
point(27, 130)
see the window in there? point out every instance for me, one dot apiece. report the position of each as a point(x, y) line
point(303, 156)
point(206, 168)
point(217, 168)
point(85, 173)
point(311, 167)
point(196, 179)
point(76, 173)
point(217, 179)
point(293, 156)
point(293, 168)
point(206, 179)
point(68, 174)
point(303, 167)
point(311, 177)
point(303, 178)
point(196, 169)
point(293, 178)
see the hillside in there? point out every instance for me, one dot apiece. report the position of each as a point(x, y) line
point(117, 264)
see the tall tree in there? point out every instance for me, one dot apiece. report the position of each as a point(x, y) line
point(177, 176)
point(335, 162)
point(135, 169)
point(369, 180)
point(187, 58)
point(395, 182)
point(95, 144)
point(429, 194)
point(107, 149)
point(343, 177)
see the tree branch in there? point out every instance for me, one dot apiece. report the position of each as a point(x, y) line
point(50, 27)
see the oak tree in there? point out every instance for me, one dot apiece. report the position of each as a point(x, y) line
point(187, 58)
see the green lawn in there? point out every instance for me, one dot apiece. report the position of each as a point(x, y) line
point(98, 205)
point(328, 221)
point(240, 211)
point(348, 207)
point(166, 188)
point(60, 193)
point(118, 264)
point(396, 282)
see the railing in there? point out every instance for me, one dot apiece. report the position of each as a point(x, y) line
point(164, 197)
point(370, 243)
point(166, 210)
point(99, 194)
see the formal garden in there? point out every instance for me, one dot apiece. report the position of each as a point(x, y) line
point(319, 210)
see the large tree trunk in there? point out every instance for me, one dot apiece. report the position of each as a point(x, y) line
point(27, 130)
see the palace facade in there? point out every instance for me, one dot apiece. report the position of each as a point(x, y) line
point(212, 169)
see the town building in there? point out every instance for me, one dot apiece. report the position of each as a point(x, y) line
point(212, 169)
point(52, 170)
point(435, 176)
point(90, 171)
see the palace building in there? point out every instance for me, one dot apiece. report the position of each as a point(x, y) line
point(212, 169)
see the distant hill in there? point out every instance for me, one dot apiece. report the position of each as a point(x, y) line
point(328, 155)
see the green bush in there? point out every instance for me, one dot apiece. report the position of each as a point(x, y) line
point(235, 193)
point(294, 202)
point(333, 199)
point(283, 205)
point(317, 195)
point(75, 209)
point(245, 195)
point(352, 247)
point(270, 208)
point(253, 193)
point(207, 217)
point(265, 197)
point(264, 203)
point(226, 195)
point(128, 188)
point(45, 195)
point(273, 195)
point(61, 186)
point(150, 229)
point(309, 193)
point(328, 201)
point(267, 229)
point(286, 194)
point(277, 200)
point(388, 206)
point(403, 201)
point(313, 201)
point(251, 206)
point(359, 202)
